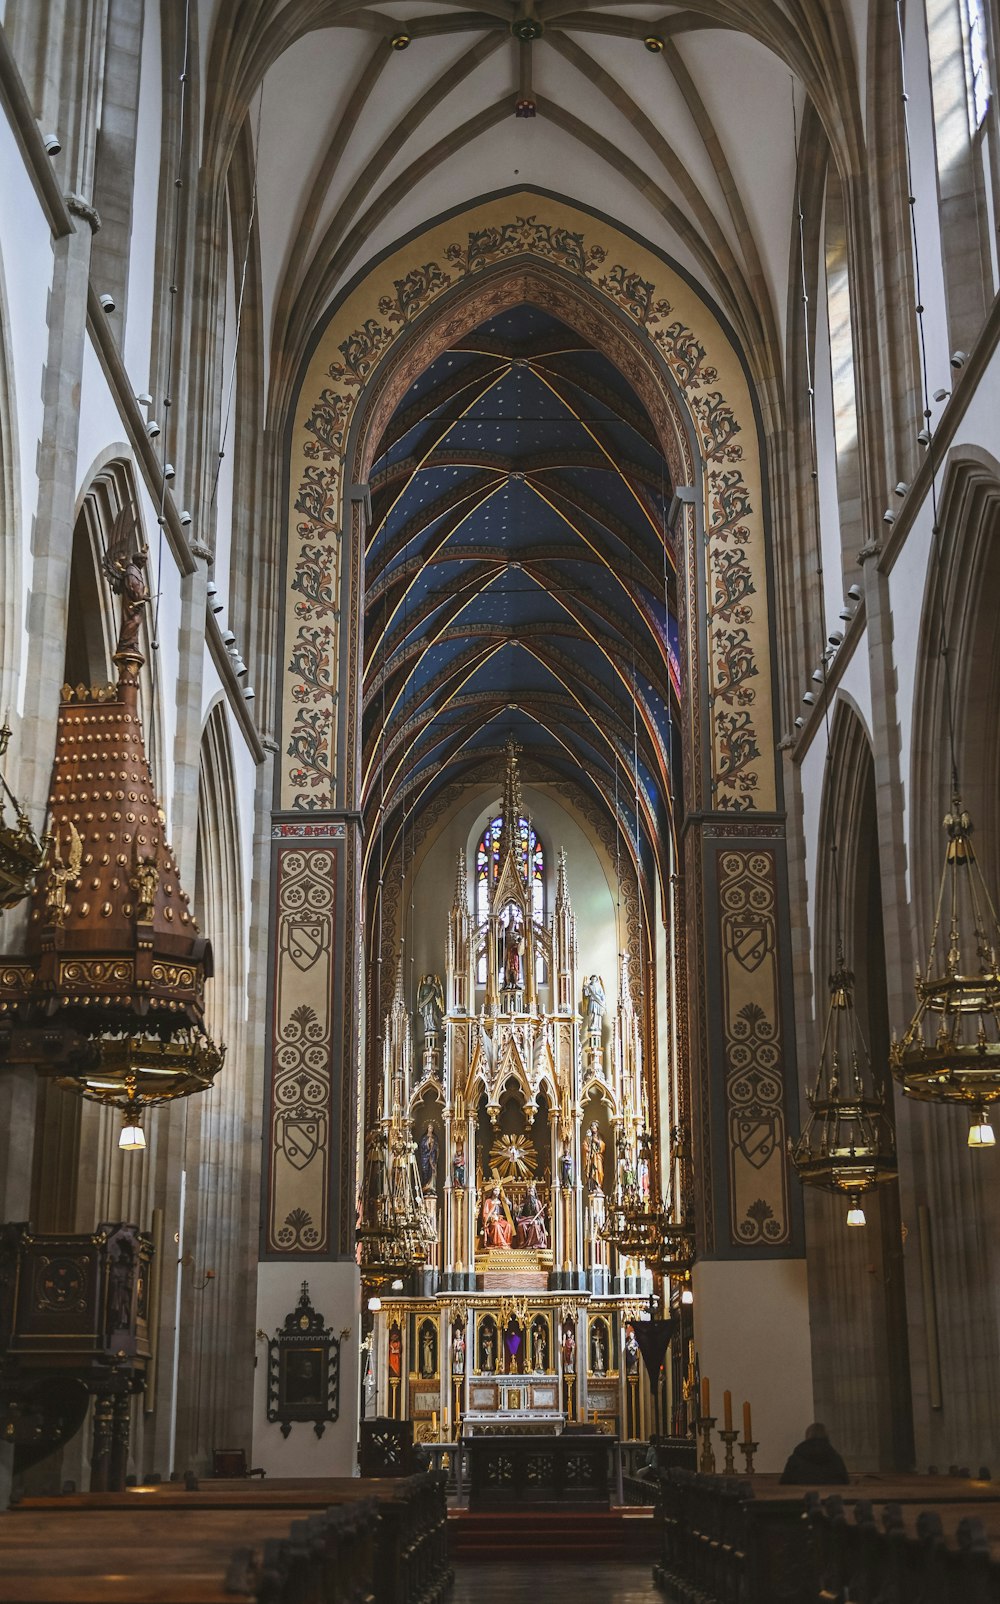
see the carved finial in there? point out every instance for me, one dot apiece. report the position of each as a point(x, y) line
point(461, 900)
point(562, 886)
point(512, 806)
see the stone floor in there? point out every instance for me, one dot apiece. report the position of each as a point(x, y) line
point(553, 1584)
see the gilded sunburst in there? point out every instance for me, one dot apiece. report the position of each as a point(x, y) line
point(513, 1158)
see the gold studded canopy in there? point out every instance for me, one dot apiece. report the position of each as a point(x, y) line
point(110, 929)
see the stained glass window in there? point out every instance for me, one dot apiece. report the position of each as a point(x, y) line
point(488, 868)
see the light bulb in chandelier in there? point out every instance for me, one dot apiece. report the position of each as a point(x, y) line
point(981, 1132)
point(131, 1137)
point(856, 1214)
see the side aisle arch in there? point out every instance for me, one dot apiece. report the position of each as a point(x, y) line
point(682, 361)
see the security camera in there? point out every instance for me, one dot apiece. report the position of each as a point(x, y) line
point(799, 722)
point(107, 302)
point(241, 669)
point(888, 517)
point(958, 359)
point(145, 399)
point(52, 143)
point(836, 638)
point(229, 639)
point(854, 593)
point(185, 517)
point(941, 395)
point(902, 488)
point(923, 437)
point(168, 470)
point(817, 677)
point(152, 428)
point(809, 698)
point(249, 694)
point(846, 615)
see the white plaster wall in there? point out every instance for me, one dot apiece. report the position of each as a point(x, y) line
point(27, 269)
point(908, 581)
point(145, 200)
point(335, 1293)
point(751, 1323)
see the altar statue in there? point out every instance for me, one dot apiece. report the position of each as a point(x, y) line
point(594, 1003)
point(569, 1348)
point(427, 1159)
point(430, 1003)
point(531, 1230)
point(598, 1351)
point(458, 1164)
point(593, 1158)
point(496, 1227)
point(458, 1351)
point(513, 947)
point(539, 1347)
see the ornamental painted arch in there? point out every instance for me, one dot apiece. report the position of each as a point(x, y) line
point(679, 357)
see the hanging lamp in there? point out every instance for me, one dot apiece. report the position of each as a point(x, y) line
point(22, 852)
point(950, 1051)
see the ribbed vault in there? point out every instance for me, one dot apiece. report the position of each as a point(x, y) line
point(519, 582)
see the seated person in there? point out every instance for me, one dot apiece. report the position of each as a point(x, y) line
point(814, 1462)
point(531, 1232)
point(496, 1227)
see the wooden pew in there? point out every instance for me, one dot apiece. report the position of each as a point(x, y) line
point(727, 1539)
point(409, 1545)
point(950, 1552)
point(80, 1554)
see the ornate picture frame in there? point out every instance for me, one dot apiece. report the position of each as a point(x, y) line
point(303, 1370)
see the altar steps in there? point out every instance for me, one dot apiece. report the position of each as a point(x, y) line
point(606, 1535)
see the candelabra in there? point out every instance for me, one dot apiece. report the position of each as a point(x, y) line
point(706, 1463)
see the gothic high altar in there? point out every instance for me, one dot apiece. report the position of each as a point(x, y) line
point(511, 1107)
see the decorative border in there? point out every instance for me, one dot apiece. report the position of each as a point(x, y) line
point(303, 1100)
point(656, 300)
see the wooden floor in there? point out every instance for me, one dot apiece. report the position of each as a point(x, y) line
point(554, 1584)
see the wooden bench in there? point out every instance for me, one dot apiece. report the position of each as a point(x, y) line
point(75, 1556)
point(724, 1538)
point(948, 1552)
point(408, 1547)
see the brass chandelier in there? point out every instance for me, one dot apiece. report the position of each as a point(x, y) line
point(394, 1228)
point(641, 1224)
point(22, 852)
point(950, 1051)
point(847, 1144)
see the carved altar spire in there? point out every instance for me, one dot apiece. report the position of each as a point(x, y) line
point(459, 958)
point(397, 1053)
point(564, 941)
point(512, 806)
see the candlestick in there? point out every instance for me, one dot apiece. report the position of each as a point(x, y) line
point(748, 1449)
point(747, 1433)
point(706, 1463)
point(727, 1409)
point(705, 1405)
point(729, 1437)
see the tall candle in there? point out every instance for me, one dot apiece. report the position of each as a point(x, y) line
point(434, 1421)
point(705, 1407)
point(746, 1423)
point(727, 1409)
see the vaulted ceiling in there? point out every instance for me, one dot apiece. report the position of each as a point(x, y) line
point(367, 120)
point(518, 579)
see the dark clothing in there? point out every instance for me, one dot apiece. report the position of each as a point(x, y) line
point(814, 1463)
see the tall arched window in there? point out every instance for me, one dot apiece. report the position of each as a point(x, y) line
point(530, 849)
point(977, 63)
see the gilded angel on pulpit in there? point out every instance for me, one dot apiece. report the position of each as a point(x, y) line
point(124, 565)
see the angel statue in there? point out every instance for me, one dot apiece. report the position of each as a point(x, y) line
point(594, 1003)
point(62, 875)
point(124, 568)
point(430, 1003)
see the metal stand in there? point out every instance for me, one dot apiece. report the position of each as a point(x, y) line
point(729, 1437)
point(706, 1463)
point(748, 1449)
